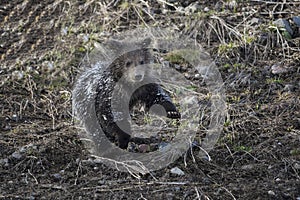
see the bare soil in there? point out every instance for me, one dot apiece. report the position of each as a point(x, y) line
point(41, 154)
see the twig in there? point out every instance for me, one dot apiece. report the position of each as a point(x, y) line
point(36, 181)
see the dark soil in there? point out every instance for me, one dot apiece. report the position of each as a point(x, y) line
point(41, 154)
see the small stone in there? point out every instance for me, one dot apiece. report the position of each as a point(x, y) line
point(187, 75)
point(98, 161)
point(247, 167)
point(177, 67)
point(283, 23)
point(197, 76)
point(277, 179)
point(18, 74)
point(278, 69)
point(25, 148)
point(296, 19)
point(206, 180)
point(206, 9)
point(297, 166)
point(14, 117)
point(162, 146)
point(7, 127)
point(132, 147)
point(195, 144)
point(279, 143)
point(64, 31)
point(270, 167)
point(50, 66)
point(165, 11)
point(288, 88)
point(86, 38)
point(96, 168)
point(3, 161)
point(32, 197)
point(16, 155)
point(270, 192)
point(177, 171)
point(143, 148)
point(57, 176)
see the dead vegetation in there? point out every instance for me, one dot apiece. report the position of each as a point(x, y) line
point(42, 43)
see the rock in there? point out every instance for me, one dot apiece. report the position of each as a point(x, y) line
point(27, 147)
point(283, 23)
point(206, 9)
point(162, 146)
point(247, 167)
point(278, 69)
point(197, 76)
point(31, 198)
point(195, 144)
point(64, 31)
point(177, 171)
point(270, 192)
point(18, 74)
point(297, 166)
point(17, 155)
point(4, 161)
point(57, 176)
point(143, 148)
point(50, 66)
point(288, 88)
point(7, 127)
point(96, 168)
point(98, 161)
point(15, 117)
point(296, 19)
point(206, 180)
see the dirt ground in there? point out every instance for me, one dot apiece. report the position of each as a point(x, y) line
point(41, 154)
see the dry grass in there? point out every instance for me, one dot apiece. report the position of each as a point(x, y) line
point(42, 44)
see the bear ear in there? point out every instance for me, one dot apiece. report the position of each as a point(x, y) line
point(117, 44)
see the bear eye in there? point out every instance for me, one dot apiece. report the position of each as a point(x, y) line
point(127, 64)
point(142, 62)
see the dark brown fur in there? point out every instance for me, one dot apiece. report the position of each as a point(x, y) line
point(148, 94)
